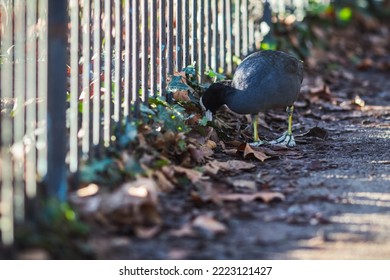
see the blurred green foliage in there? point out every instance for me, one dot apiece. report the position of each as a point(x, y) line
point(57, 229)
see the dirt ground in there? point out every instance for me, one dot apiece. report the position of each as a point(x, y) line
point(337, 199)
point(331, 193)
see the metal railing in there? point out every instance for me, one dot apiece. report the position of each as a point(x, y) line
point(118, 54)
point(33, 101)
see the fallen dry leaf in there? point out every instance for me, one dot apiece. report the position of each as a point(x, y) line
point(200, 154)
point(266, 197)
point(244, 184)
point(239, 165)
point(87, 205)
point(278, 150)
point(177, 254)
point(89, 190)
point(231, 165)
point(211, 144)
point(147, 232)
point(181, 95)
point(365, 64)
point(203, 222)
point(133, 204)
point(250, 152)
point(234, 143)
point(34, 254)
point(185, 230)
point(163, 183)
point(208, 223)
point(193, 175)
point(208, 191)
point(231, 152)
point(321, 92)
point(358, 101)
point(207, 150)
point(212, 168)
point(194, 119)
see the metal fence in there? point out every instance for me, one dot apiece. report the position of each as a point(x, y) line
point(108, 57)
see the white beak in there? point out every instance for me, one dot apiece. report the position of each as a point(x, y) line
point(209, 114)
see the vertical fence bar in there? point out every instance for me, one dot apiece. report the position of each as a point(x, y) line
point(162, 47)
point(237, 28)
point(55, 179)
point(126, 77)
point(135, 56)
point(208, 31)
point(215, 53)
point(222, 18)
point(267, 18)
point(42, 162)
point(127, 74)
point(251, 35)
point(74, 85)
point(144, 51)
point(300, 8)
point(153, 48)
point(280, 7)
point(194, 31)
point(229, 39)
point(31, 98)
point(107, 72)
point(186, 34)
point(179, 35)
point(18, 124)
point(118, 61)
point(258, 35)
point(6, 194)
point(96, 131)
point(245, 43)
point(170, 43)
point(201, 65)
point(86, 31)
point(170, 32)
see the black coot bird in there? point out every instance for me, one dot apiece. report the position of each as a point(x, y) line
point(263, 80)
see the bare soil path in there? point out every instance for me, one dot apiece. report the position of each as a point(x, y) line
point(336, 188)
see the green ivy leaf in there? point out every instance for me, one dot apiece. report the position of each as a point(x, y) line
point(133, 167)
point(268, 46)
point(161, 163)
point(236, 60)
point(345, 14)
point(146, 111)
point(190, 70)
point(105, 171)
point(182, 145)
point(203, 121)
point(214, 75)
point(177, 84)
point(129, 134)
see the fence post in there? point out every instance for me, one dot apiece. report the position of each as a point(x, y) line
point(55, 180)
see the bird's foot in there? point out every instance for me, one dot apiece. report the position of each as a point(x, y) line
point(257, 143)
point(286, 139)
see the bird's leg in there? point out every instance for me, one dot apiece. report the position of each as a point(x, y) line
point(256, 139)
point(287, 139)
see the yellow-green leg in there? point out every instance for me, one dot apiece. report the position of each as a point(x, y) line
point(256, 139)
point(287, 139)
point(290, 111)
